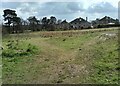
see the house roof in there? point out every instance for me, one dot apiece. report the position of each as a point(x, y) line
point(64, 22)
point(106, 18)
point(78, 20)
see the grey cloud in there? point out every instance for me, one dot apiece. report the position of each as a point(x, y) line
point(75, 6)
point(103, 7)
point(53, 8)
point(62, 10)
point(28, 7)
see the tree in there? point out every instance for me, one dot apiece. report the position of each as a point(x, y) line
point(8, 16)
point(44, 22)
point(17, 24)
point(52, 23)
point(53, 20)
point(49, 24)
point(33, 23)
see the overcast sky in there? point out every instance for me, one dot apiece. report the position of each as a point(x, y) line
point(64, 10)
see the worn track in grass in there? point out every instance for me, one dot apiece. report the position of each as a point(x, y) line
point(58, 61)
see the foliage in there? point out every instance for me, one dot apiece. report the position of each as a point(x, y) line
point(33, 23)
point(11, 17)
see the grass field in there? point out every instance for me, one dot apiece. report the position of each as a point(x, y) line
point(61, 57)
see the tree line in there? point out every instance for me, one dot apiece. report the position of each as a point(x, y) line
point(14, 24)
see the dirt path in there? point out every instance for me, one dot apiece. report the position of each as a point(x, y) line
point(59, 65)
point(62, 68)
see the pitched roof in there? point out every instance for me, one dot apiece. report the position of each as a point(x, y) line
point(78, 20)
point(106, 18)
point(64, 22)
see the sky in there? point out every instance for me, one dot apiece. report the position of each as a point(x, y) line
point(63, 9)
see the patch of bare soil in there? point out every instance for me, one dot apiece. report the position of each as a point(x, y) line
point(61, 64)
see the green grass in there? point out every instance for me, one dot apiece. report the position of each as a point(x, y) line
point(81, 58)
point(73, 42)
point(17, 48)
point(105, 63)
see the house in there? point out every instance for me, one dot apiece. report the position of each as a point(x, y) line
point(105, 21)
point(80, 23)
point(95, 23)
point(64, 25)
point(108, 20)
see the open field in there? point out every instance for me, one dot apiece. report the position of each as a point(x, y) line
point(87, 56)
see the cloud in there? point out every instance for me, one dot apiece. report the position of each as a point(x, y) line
point(58, 9)
point(102, 7)
point(63, 10)
point(75, 7)
point(28, 7)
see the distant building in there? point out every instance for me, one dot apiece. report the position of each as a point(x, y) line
point(64, 25)
point(104, 21)
point(108, 20)
point(80, 23)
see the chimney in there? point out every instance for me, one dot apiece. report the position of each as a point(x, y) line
point(86, 18)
